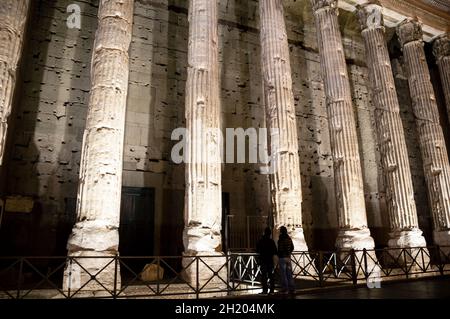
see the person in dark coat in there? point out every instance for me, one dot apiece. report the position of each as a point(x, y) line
point(285, 249)
point(267, 249)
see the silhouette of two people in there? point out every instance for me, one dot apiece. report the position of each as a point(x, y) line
point(267, 250)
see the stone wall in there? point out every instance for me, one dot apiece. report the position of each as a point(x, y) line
point(51, 103)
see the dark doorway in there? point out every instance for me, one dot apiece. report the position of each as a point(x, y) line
point(137, 220)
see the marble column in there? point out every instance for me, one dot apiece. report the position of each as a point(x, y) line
point(441, 50)
point(203, 197)
point(99, 193)
point(352, 219)
point(401, 206)
point(431, 138)
point(13, 17)
point(286, 191)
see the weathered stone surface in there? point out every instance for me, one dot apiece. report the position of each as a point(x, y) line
point(286, 191)
point(354, 233)
point(13, 17)
point(441, 50)
point(431, 138)
point(152, 272)
point(203, 197)
point(47, 131)
point(394, 154)
point(100, 186)
point(84, 272)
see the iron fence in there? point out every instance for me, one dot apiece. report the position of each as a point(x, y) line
point(206, 276)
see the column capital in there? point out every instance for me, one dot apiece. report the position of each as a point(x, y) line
point(441, 46)
point(370, 15)
point(323, 4)
point(409, 30)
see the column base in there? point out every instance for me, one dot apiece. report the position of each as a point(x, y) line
point(298, 239)
point(410, 240)
point(205, 271)
point(406, 238)
point(92, 239)
point(204, 264)
point(357, 239)
point(442, 239)
point(81, 269)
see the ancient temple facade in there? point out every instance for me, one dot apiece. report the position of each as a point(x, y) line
point(114, 121)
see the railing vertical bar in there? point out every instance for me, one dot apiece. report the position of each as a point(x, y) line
point(366, 270)
point(321, 270)
point(115, 277)
point(353, 265)
point(158, 263)
point(197, 288)
point(405, 263)
point(19, 283)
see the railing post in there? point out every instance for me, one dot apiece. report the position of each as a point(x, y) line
point(232, 272)
point(353, 265)
point(366, 270)
point(158, 263)
point(320, 272)
point(197, 287)
point(423, 260)
point(69, 281)
point(19, 283)
point(227, 256)
point(441, 264)
point(115, 277)
point(405, 262)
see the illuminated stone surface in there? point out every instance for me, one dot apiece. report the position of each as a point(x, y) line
point(98, 205)
point(353, 230)
point(13, 17)
point(431, 138)
point(401, 206)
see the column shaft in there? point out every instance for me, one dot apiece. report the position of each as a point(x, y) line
point(401, 206)
point(352, 219)
point(431, 138)
point(441, 50)
point(98, 204)
point(13, 17)
point(203, 199)
point(280, 109)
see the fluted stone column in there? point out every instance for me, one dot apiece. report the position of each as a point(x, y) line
point(431, 138)
point(285, 182)
point(98, 204)
point(353, 230)
point(13, 17)
point(441, 50)
point(203, 198)
point(401, 206)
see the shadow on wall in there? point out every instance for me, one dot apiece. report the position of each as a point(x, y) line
point(48, 129)
point(172, 219)
point(316, 165)
point(20, 233)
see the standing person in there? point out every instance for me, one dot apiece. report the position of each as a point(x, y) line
point(285, 249)
point(267, 250)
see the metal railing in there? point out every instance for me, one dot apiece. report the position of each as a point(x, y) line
point(206, 276)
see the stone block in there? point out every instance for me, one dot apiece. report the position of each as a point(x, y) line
point(152, 272)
